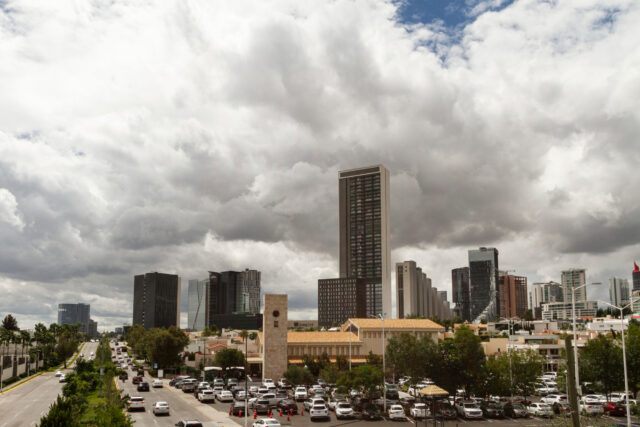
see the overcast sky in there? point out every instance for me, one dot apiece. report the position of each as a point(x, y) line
point(187, 136)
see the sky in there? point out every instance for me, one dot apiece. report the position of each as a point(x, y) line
point(189, 136)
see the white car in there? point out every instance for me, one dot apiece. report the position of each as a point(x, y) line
point(206, 395)
point(594, 399)
point(344, 410)
point(554, 398)
point(135, 402)
point(418, 410)
point(619, 398)
point(156, 383)
point(225, 396)
point(396, 412)
point(283, 383)
point(543, 389)
point(540, 409)
point(59, 373)
point(311, 402)
point(268, 382)
point(160, 408)
point(240, 395)
point(590, 408)
point(62, 378)
point(266, 422)
point(468, 409)
point(319, 411)
point(300, 393)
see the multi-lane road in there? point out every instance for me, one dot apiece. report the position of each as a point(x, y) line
point(25, 404)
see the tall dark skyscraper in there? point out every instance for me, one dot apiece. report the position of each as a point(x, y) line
point(636, 277)
point(156, 300)
point(365, 236)
point(70, 314)
point(461, 292)
point(340, 299)
point(483, 274)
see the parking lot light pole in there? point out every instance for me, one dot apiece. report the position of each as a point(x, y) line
point(575, 339)
point(624, 357)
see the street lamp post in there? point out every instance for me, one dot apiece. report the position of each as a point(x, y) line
point(575, 339)
point(624, 357)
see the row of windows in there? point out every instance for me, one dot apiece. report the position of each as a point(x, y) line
point(318, 350)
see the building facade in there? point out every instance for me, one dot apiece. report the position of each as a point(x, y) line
point(483, 275)
point(70, 314)
point(340, 299)
point(542, 293)
point(574, 278)
point(618, 291)
point(563, 310)
point(636, 277)
point(198, 303)
point(365, 234)
point(156, 300)
point(273, 346)
point(512, 294)
point(93, 329)
point(461, 292)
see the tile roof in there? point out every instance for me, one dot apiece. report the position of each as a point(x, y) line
point(396, 324)
point(294, 337)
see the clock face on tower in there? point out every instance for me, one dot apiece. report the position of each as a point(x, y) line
point(276, 313)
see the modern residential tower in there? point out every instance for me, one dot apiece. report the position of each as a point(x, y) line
point(619, 291)
point(512, 294)
point(340, 299)
point(156, 300)
point(365, 236)
point(636, 277)
point(461, 292)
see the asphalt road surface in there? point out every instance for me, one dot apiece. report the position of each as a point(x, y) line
point(28, 402)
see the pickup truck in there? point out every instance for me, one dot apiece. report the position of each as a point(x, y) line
point(272, 398)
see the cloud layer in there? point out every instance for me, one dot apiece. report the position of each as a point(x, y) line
point(192, 136)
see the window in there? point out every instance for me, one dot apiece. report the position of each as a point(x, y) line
point(275, 323)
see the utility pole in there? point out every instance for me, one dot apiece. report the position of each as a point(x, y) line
point(573, 396)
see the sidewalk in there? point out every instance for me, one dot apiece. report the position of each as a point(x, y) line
point(213, 415)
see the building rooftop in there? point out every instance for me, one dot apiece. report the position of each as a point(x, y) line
point(301, 337)
point(395, 324)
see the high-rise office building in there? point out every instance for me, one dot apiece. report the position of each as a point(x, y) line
point(365, 235)
point(461, 292)
point(413, 290)
point(340, 299)
point(512, 294)
point(156, 300)
point(483, 275)
point(619, 291)
point(542, 293)
point(442, 295)
point(198, 304)
point(70, 314)
point(636, 277)
point(92, 330)
point(574, 278)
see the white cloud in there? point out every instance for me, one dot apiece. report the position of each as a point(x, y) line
point(186, 137)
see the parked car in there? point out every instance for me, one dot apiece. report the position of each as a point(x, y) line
point(392, 392)
point(206, 395)
point(492, 410)
point(283, 383)
point(370, 412)
point(160, 408)
point(218, 382)
point(156, 383)
point(232, 382)
point(445, 410)
point(188, 423)
point(468, 409)
point(396, 412)
point(261, 406)
point(237, 408)
point(288, 406)
point(268, 382)
point(300, 394)
point(616, 409)
point(319, 411)
point(540, 410)
point(253, 390)
point(143, 386)
point(542, 389)
point(587, 408)
point(344, 410)
point(419, 410)
point(240, 395)
point(266, 422)
point(515, 410)
point(333, 401)
point(553, 398)
point(594, 399)
point(311, 402)
point(619, 397)
point(225, 396)
point(135, 403)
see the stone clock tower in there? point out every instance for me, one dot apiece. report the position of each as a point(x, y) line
point(274, 330)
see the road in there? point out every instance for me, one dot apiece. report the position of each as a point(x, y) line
point(28, 402)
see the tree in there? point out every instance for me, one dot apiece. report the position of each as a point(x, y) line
point(60, 414)
point(66, 346)
point(331, 373)
point(462, 362)
point(10, 323)
point(253, 336)
point(526, 368)
point(297, 375)
point(163, 346)
point(342, 362)
point(416, 357)
point(228, 358)
point(374, 359)
point(134, 337)
point(633, 356)
point(601, 363)
point(206, 332)
point(366, 378)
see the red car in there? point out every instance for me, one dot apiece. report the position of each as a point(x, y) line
point(136, 380)
point(617, 409)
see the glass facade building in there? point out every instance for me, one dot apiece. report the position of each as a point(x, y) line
point(461, 292)
point(156, 300)
point(365, 233)
point(198, 297)
point(70, 314)
point(483, 275)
